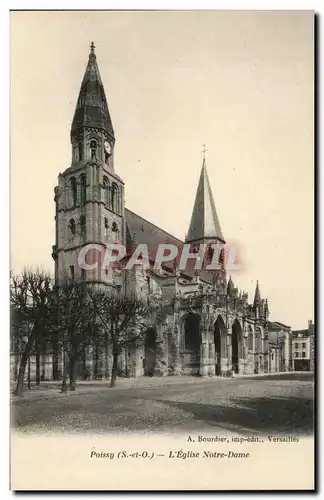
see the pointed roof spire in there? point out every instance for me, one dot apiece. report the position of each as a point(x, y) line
point(230, 286)
point(257, 296)
point(204, 220)
point(92, 108)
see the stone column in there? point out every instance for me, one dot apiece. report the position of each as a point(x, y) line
point(204, 353)
point(176, 356)
point(212, 360)
point(161, 365)
point(245, 356)
point(261, 357)
point(226, 367)
point(266, 355)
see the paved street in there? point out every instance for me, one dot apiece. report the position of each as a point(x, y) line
point(281, 404)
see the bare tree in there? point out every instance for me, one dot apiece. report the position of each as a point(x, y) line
point(29, 300)
point(123, 321)
point(74, 325)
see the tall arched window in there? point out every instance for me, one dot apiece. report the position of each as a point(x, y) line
point(80, 150)
point(106, 194)
point(83, 225)
point(114, 197)
point(93, 149)
point(250, 340)
point(119, 200)
point(74, 193)
point(83, 183)
point(72, 226)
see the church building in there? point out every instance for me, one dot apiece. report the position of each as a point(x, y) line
point(210, 328)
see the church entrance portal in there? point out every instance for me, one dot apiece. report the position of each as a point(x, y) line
point(192, 342)
point(150, 352)
point(236, 345)
point(219, 341)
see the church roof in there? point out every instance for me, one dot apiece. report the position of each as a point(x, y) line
point(92, 108)
point(277, 325)
point(141, 231)
point(204, 220)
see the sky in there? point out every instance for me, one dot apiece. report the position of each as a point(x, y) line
point(240, 82)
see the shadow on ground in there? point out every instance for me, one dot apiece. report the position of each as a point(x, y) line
point(288, 415)
point(300, 376)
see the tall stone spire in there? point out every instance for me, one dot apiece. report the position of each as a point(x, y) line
point(92, 109)
point(204, 224)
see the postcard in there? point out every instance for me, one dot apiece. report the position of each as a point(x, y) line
point(162, 221)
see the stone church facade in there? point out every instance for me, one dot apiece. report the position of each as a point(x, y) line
point(208, 327)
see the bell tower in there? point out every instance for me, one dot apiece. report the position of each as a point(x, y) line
point(90, 195)
point(204, 224)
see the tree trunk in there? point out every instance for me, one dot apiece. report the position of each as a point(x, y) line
point(43, 375)
point(38, 377)
point(106, 373)
point(55, 360)
point(73, 366)
point(114, 369)
point(64, 378)
point(28, 373)
point(23, 363)
point(96, 361)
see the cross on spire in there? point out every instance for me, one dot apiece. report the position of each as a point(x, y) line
point(204, 150)
point(92, 47)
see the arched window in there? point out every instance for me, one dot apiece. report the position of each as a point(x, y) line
point(73, 185)
point(114, 197)
point(83, 182)
point(72, 226)
point(106, 194)
point(115, 230)
point(83, 225)
point(250, 340)
point(119, 199)
point(93, 149)
point(106, 227)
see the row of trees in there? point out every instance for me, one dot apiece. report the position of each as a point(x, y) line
point(70, 316)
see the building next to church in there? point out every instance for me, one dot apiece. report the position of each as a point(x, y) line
point(279, 342)
point(210, 327)
point(303, 348)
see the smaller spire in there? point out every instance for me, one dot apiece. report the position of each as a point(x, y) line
point(266, 308)
point(257, 296)
point(230, 286)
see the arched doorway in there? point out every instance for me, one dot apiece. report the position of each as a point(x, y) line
point(191, 344)
point(220, 343)
point(150, 352)
point(237, 340)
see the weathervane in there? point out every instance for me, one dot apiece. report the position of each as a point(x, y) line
point(204, 151)
point(92, 47)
